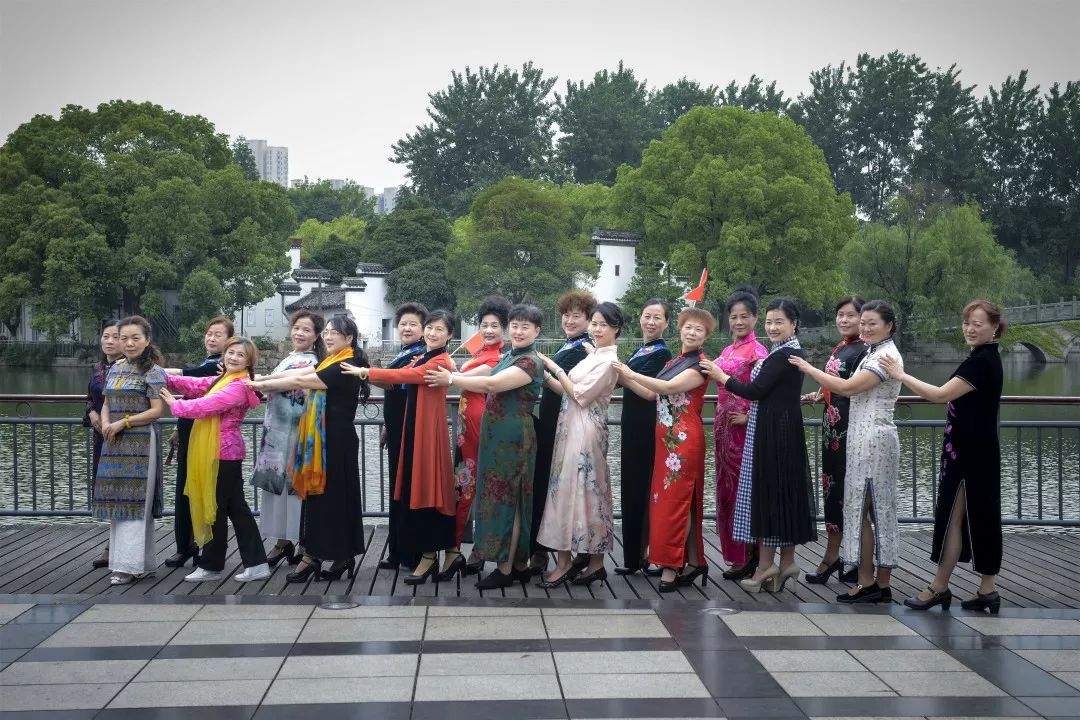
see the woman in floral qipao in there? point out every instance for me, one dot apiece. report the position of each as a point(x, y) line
point(678, 482)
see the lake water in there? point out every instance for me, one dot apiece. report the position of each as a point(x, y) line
point(1040, 466)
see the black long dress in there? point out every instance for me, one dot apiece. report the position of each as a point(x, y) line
point(842, 363)
point(781, 501)
point(185, 536)
point(394, 399)
point(971, 457)
point(331, 524)
point(636, 455)
point(424, 529)
point(569, 355)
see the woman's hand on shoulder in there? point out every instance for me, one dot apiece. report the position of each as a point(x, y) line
point(799, 362)
point(438, 377)
point(892, 366)
point(711, 369)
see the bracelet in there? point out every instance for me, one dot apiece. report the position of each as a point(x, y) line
point(127, 423)
point(451, 379)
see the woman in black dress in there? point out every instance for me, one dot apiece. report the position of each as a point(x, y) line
point(775, 504)
point(575, 308)
point(331, 519)
point(95, 399)
point(967, 519)
point(842, 362)
point(639, 421)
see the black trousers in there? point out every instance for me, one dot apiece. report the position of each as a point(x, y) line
point(185, 537)
point(233, 506)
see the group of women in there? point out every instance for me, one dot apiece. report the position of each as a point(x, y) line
point(533, 486)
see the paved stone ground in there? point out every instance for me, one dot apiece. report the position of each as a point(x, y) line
point(476, 658)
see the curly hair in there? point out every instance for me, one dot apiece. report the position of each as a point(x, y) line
point(582, 300)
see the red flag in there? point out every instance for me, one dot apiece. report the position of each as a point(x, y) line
point(474, 343)
point(698, 294)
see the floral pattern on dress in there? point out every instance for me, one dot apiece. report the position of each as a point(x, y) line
point(669, 409)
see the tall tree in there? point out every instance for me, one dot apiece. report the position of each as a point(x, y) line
point(411, 243)
point(1008, 120)
point(243, 157)
point(674, 100)
point(323, 202)
point(1059, 181)
point(605, 123)
point(889, 93)
point(779, 224)
point(948, 154)
point(483, 126)
point(518, 240)
point(826, 114)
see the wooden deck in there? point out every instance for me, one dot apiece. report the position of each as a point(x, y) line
point(1040, 571)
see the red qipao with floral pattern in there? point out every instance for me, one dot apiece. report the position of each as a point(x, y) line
point(737, 360)
point(678, 481)
point(470, 411)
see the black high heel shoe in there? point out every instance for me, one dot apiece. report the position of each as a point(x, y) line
point(432, 571)
point(688, 578)
point(473, 567)
point(310, 567)
point(822, 577)
point(599, 573)
point(564, 579)
point(180, 559)
point(943, 598)
point(990, 602)
point(285, 552)
point(339, 568)
point(495, 579)
point(457, 565)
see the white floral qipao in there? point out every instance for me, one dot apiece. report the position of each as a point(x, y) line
point(578, 514)
point(873, 461)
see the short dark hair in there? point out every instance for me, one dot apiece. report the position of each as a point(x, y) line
point(222, 320)
point(526, 312)
point(105, 324)
point(788, 307)
point(582, 300)
point(444, 316)
point(884, 309)
point(664, 305)
point(411, 308)
point(853, 300)
point(744, 294)
point(495, 305)
point(612, 316)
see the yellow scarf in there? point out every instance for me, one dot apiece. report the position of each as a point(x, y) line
point(309, 465)
point(202, 466)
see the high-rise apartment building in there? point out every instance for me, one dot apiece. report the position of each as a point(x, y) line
point(272, 161)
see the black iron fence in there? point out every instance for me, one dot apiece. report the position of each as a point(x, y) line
point(45, 464)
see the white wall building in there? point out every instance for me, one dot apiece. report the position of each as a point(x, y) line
point(272, 161)
point(616, 251)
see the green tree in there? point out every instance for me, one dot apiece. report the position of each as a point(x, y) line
point(652, 280)
point(483, 126)
point(314, 235)
point(888, 96)
point(948, 153)
point(117, 207)
point(929, 262)
point(1058, 180)
point(319, 200)
point(244, 158)
point(674, 100)
point(605, 123)
point(422, 281)
point(825, 112)
point(518, 241)
point(750, 192)
point(409, 234)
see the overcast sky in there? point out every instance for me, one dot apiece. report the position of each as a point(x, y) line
point(339, 82)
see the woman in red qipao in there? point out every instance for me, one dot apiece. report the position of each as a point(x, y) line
point(425, 477)
point(492, 314)
point(677, 495)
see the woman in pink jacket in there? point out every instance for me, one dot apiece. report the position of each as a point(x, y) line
point(215, 486)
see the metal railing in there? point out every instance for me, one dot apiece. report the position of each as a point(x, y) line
point(45, 463)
